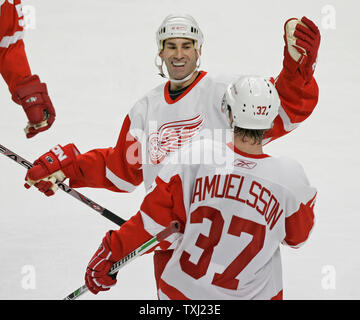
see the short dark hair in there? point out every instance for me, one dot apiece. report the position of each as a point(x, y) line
point(256, 135)
point(193, 41)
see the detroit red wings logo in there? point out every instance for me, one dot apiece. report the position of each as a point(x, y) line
point(171, 136)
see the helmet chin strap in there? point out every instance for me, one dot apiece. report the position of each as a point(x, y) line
point(162, 74)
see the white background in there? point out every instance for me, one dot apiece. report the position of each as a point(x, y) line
point(97, 58)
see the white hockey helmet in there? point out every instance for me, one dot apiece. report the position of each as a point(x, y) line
point(254, 102)
point(179, 26)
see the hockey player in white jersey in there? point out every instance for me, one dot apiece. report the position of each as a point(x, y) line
point(172, 114)
point(234, 215)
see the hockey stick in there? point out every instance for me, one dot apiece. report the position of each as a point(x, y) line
point(103, 211)
point(173, 227)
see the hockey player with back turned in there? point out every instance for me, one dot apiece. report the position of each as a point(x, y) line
point(26, 89)
point(233, 215)
point(174, 113)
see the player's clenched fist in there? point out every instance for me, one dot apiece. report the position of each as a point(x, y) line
point(52, 167)
point(33, 96)
point(96, 276)
point(302, 41)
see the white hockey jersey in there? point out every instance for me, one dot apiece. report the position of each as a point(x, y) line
point(157, 126)
point(235, 210)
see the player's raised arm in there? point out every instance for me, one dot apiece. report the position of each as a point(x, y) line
point(296, 85)
point(14, 66)
point(26, 89)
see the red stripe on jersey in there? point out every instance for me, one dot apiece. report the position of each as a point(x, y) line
point(171, 292)
point(248, 155)
point(167, 87)
point(300, 223)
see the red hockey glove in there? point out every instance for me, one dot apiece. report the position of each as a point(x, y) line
point(96, 276)
point(52, 167)
point(33, 96)
point(302, 41)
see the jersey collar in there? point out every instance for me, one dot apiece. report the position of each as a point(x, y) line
point(167, 87)
point(247, 155)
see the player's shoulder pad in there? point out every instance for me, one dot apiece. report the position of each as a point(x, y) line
point(293, 176)
point(142, 103)
point(139, 110)
point(221, 78)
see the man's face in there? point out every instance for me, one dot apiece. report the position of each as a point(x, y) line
point(180, 57)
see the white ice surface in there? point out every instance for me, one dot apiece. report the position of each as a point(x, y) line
point(97, 60)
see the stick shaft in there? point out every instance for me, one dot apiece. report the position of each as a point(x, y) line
point(103, 211)
point(173, 227)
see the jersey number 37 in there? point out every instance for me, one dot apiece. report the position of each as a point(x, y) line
point(227, 279)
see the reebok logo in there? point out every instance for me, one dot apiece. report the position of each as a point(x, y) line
point(244, 164)
point(59, 153)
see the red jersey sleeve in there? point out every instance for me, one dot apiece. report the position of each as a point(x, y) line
point(298, 226)
point(300, 217)
point(117, 169)
point(162, 204)
point(14, 65)
point(298, 100)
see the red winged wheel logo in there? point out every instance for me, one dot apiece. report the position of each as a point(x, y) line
point(171, 136)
